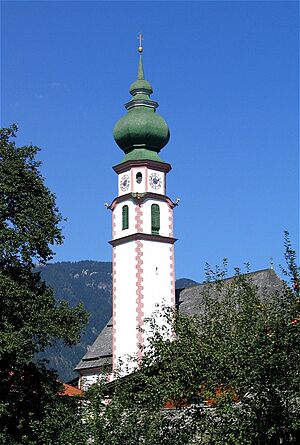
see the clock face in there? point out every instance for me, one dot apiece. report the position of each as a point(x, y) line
point(155, 181)
point(124, 183)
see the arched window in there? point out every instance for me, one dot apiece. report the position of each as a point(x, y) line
point(155, 219)
point(125, 217)
point(139, 177)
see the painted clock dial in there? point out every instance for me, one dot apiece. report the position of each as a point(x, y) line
point(155, 181)
point(124, 183)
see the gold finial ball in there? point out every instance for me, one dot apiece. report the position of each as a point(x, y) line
point(140, 49)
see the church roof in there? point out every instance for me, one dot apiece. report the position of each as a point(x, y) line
point(188, 301)
point(266, 280)
point(100, 353)
point(71, 391)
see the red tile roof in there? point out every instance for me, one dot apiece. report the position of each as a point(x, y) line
point(70, 391)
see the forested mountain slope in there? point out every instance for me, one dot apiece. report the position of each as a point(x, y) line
point(88, 282)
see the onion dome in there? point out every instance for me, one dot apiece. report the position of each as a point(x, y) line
point(142, 132)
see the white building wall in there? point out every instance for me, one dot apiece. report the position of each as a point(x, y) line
point(88, 379)
point(124, 302)
point(158, 281)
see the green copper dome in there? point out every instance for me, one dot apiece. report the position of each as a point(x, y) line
point(142, 132)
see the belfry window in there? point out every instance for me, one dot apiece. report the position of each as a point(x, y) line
point(139, 177)
point(155, 219)
point(125, 217)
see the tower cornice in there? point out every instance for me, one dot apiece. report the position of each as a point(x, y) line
point(139, 198)
point(155, 165)
point(141, 103)
point(142, 237)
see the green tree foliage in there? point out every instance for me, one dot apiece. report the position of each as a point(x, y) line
point(30, 319)
point(231, 376)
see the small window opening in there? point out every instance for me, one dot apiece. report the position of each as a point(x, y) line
point(155, 219)
point(125, 217)
point(139, 177)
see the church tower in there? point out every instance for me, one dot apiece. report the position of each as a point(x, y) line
point(142, 223)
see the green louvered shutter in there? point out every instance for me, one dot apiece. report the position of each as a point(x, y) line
point(125, 217)
point(155, 219)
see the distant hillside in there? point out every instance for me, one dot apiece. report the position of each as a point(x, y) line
point(183, 283)
point(89, 282)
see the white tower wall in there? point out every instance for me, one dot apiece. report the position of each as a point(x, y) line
point(143, 284)
point(143, 273)
point(124, 302)
point(158, 282)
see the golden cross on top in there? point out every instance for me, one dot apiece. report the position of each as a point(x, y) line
point(140, 37)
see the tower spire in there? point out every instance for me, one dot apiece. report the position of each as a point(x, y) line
point(140, 50)
point(141, 69)
point(140, 37)
point(142, 132)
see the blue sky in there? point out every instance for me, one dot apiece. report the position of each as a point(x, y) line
point(226, 77)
